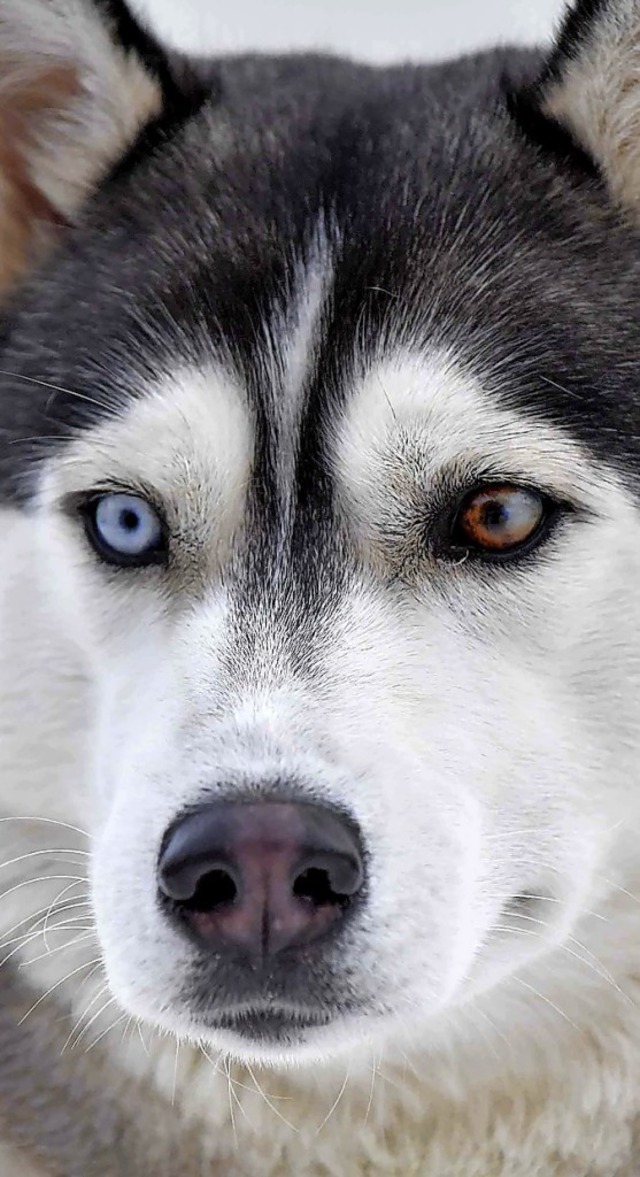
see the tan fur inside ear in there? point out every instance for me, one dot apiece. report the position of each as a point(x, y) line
point(71, 102)
point(25, 211)
point(598, 100)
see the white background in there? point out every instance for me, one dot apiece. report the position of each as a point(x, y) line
point(380, 30)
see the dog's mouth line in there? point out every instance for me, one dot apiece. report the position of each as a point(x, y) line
point(269, 1022)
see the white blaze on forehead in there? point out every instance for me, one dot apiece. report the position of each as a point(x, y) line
point(189, 439)
point(413, 418)
point(302, 321)
point(295, 330)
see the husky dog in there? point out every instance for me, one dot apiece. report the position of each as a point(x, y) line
point(320, 606)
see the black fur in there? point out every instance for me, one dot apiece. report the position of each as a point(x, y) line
point(424, 176)
point(545, 134)
point(129, 33)
point(579, 24)
point(185, 83)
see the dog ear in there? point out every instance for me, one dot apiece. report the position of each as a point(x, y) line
point(591, 87)
point(79, 80)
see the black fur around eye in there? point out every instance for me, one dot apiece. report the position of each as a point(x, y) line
point(502, 520)
point(125, 530)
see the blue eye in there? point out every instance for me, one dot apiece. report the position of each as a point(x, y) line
point(125, 529)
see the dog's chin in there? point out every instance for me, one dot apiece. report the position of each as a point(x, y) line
point(273, 1037)
point(268, 1033)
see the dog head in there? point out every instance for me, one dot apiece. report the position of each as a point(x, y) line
point(323, 405)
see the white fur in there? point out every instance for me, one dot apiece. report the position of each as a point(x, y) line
point(483, 730)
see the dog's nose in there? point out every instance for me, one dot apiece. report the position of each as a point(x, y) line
point(260, 877)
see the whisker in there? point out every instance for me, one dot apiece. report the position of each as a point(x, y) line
point(239, 1103)
point(334, 1106)
point(59, 907)
point(50, 821)
point(619, 889)
point(268, 1102)
point(39, 854)
point(42, 879)
point(23, 942)
point(209, 1059)
point(26, 938)
point(113, 1026)
point(128, 1029)
point(53, 988)
point(374, 1076)
point(88, 934)
point(35, 931)
point(61, 437)
point(96, 997)
point(387, 1078)
point(54, 387)
point(100, 992)
point(547, 1001)
point(489, 1041)
point(65, 908)
point(508, 899)
point(175, 1074)
point(141, 1037)
point(601, 971)
point(50, 912)
point(230, 1093)
point(85, 980)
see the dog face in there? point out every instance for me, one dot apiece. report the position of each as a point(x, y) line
point(333, 479)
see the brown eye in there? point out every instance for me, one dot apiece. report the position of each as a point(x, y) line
point(499, 519)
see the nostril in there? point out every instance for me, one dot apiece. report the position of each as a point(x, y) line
point(214, 890)
point(315, 886)
point(332, 883)
point(197, 883)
